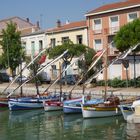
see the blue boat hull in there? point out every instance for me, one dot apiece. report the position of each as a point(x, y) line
point(27, 103)
point(69, 109)
point(23, 105)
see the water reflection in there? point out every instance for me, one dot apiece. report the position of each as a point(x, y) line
point(40, 125)
point(108, 128)
point(133, 131)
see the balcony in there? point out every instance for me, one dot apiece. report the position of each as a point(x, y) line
point(111, 30)
point(113, 51)
point(107, 31)
point(95, 32)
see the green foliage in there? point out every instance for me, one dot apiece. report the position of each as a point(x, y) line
point(128, 36)
point(84, 64)
point(73, 50)
point(11, 45)
point(118, 83)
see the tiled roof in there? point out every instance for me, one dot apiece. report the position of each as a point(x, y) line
point(21, 23)
point(114, 6)
point(68, 26)
point(34, 33)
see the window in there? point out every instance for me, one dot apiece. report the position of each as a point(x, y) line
point(65, 39)
point(97, 26)
point(98, 44)
point(132, 16)
point(40, 45)
point(24, 44)
point(114, 24)
point(32, 49)
point(53, 41)
point(79, 39)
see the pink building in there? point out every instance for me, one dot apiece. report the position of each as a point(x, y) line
point(103, 23)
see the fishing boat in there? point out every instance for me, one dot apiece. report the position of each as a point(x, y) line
point(128, 109)
point(3, 102)
point(72, 105)
point(26, 103)
point(105, 109)
point(53, 105)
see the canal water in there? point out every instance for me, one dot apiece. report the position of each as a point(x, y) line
point(40, 125)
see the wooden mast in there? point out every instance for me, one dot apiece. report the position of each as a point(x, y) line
point(60, 73)
point(106, 71)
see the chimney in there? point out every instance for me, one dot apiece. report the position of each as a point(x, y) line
point(27, 19)
point(58, 23)
point(37, 24)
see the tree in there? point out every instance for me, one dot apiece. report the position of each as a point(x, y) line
point(13, 52)
point(84, 64)
point(128, 36)
point(74, 50)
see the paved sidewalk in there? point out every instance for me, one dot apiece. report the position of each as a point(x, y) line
point(29, 89)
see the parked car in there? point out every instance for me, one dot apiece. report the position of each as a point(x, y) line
point(44, 77)
point(23, 79)
point(70, 80)
point(4, 77)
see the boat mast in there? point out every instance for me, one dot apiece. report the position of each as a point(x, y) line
point(60, 73)
point(106, 71)
point(36, 79)
point(21, 89)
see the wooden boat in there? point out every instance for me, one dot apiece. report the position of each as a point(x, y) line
point(72, 106)
point(52, 105)
point(26, 103)
point(3, 102)
point(128, 109)
point(106, 109)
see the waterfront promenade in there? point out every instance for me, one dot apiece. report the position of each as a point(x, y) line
point(29, 89)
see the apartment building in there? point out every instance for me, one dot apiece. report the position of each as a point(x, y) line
point(23, 25)
point(103, 23)
point(74, 31)
point(34, 42)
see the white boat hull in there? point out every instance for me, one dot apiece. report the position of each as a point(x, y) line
point(52, 105)
point(53, 108)
point(126, 111)
point(92, 113)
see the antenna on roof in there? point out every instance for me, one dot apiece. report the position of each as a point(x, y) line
point(67, 21)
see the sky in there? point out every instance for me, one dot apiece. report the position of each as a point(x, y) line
point(47, 12)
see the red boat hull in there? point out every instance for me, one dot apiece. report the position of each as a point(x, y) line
point(3, 102)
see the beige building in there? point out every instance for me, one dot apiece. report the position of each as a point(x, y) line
point(74, 31)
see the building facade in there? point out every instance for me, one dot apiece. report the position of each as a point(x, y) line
point(74, 31)
point(34, 42)
point(23, 25)
point(103, 23)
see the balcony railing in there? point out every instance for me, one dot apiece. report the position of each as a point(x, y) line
point(113, 51)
